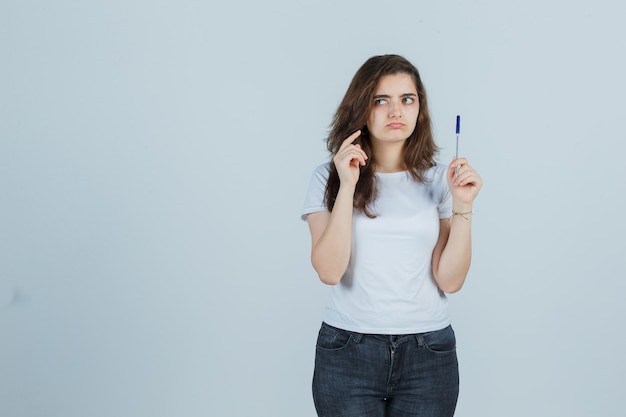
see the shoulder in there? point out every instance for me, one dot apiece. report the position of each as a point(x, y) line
point(322, 170)
point(314, 201)
point(440, 189)
point(436, 178)
point(436, 173)
point(320, 174)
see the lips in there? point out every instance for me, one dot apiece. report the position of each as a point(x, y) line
point(395, 125)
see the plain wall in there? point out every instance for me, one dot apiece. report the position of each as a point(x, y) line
point(154, 158)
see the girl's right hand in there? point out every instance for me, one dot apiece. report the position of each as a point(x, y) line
point(348, 160)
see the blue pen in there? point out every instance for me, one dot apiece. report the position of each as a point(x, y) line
point(458, 130)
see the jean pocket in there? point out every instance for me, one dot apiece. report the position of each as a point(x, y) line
point(332, 338)
point(440, 341)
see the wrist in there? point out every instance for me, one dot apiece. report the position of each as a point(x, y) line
point(346, 190)
point(467, 215)
point(462, 210)
point(461, 207)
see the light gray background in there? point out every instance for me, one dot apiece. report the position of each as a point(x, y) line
point(153, 162)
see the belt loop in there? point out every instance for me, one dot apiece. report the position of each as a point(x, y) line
point(356, 337)
point(420, 339)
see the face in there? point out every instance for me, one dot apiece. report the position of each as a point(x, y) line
point(394, 113)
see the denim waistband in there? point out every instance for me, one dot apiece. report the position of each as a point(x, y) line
point(394, 339)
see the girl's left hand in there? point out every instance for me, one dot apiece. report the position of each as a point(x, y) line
point(465, 184)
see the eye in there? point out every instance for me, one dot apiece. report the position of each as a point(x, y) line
point(380, 101)
point(408, 100)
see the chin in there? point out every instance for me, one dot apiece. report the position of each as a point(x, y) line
point(396, 138)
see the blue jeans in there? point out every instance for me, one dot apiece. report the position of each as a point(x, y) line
point(364, 375)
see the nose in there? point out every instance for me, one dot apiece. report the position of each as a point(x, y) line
point(394, 109)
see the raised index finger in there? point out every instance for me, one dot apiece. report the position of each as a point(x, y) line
point(350, 139)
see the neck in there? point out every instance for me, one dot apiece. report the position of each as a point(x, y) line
point(388, 157)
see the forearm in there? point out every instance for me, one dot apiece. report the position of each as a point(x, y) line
point(331, 253)
point(456, 255)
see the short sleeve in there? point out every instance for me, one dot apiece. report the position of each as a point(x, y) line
point(314, 201)
point(444, 205)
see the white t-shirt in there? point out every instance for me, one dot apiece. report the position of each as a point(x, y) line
point(388, 287)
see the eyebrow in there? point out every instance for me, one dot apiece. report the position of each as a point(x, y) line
point(388, 96)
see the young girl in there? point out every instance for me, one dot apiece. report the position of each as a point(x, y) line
point(390, 232)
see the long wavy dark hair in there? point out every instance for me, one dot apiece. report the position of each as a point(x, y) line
point(420, 149)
